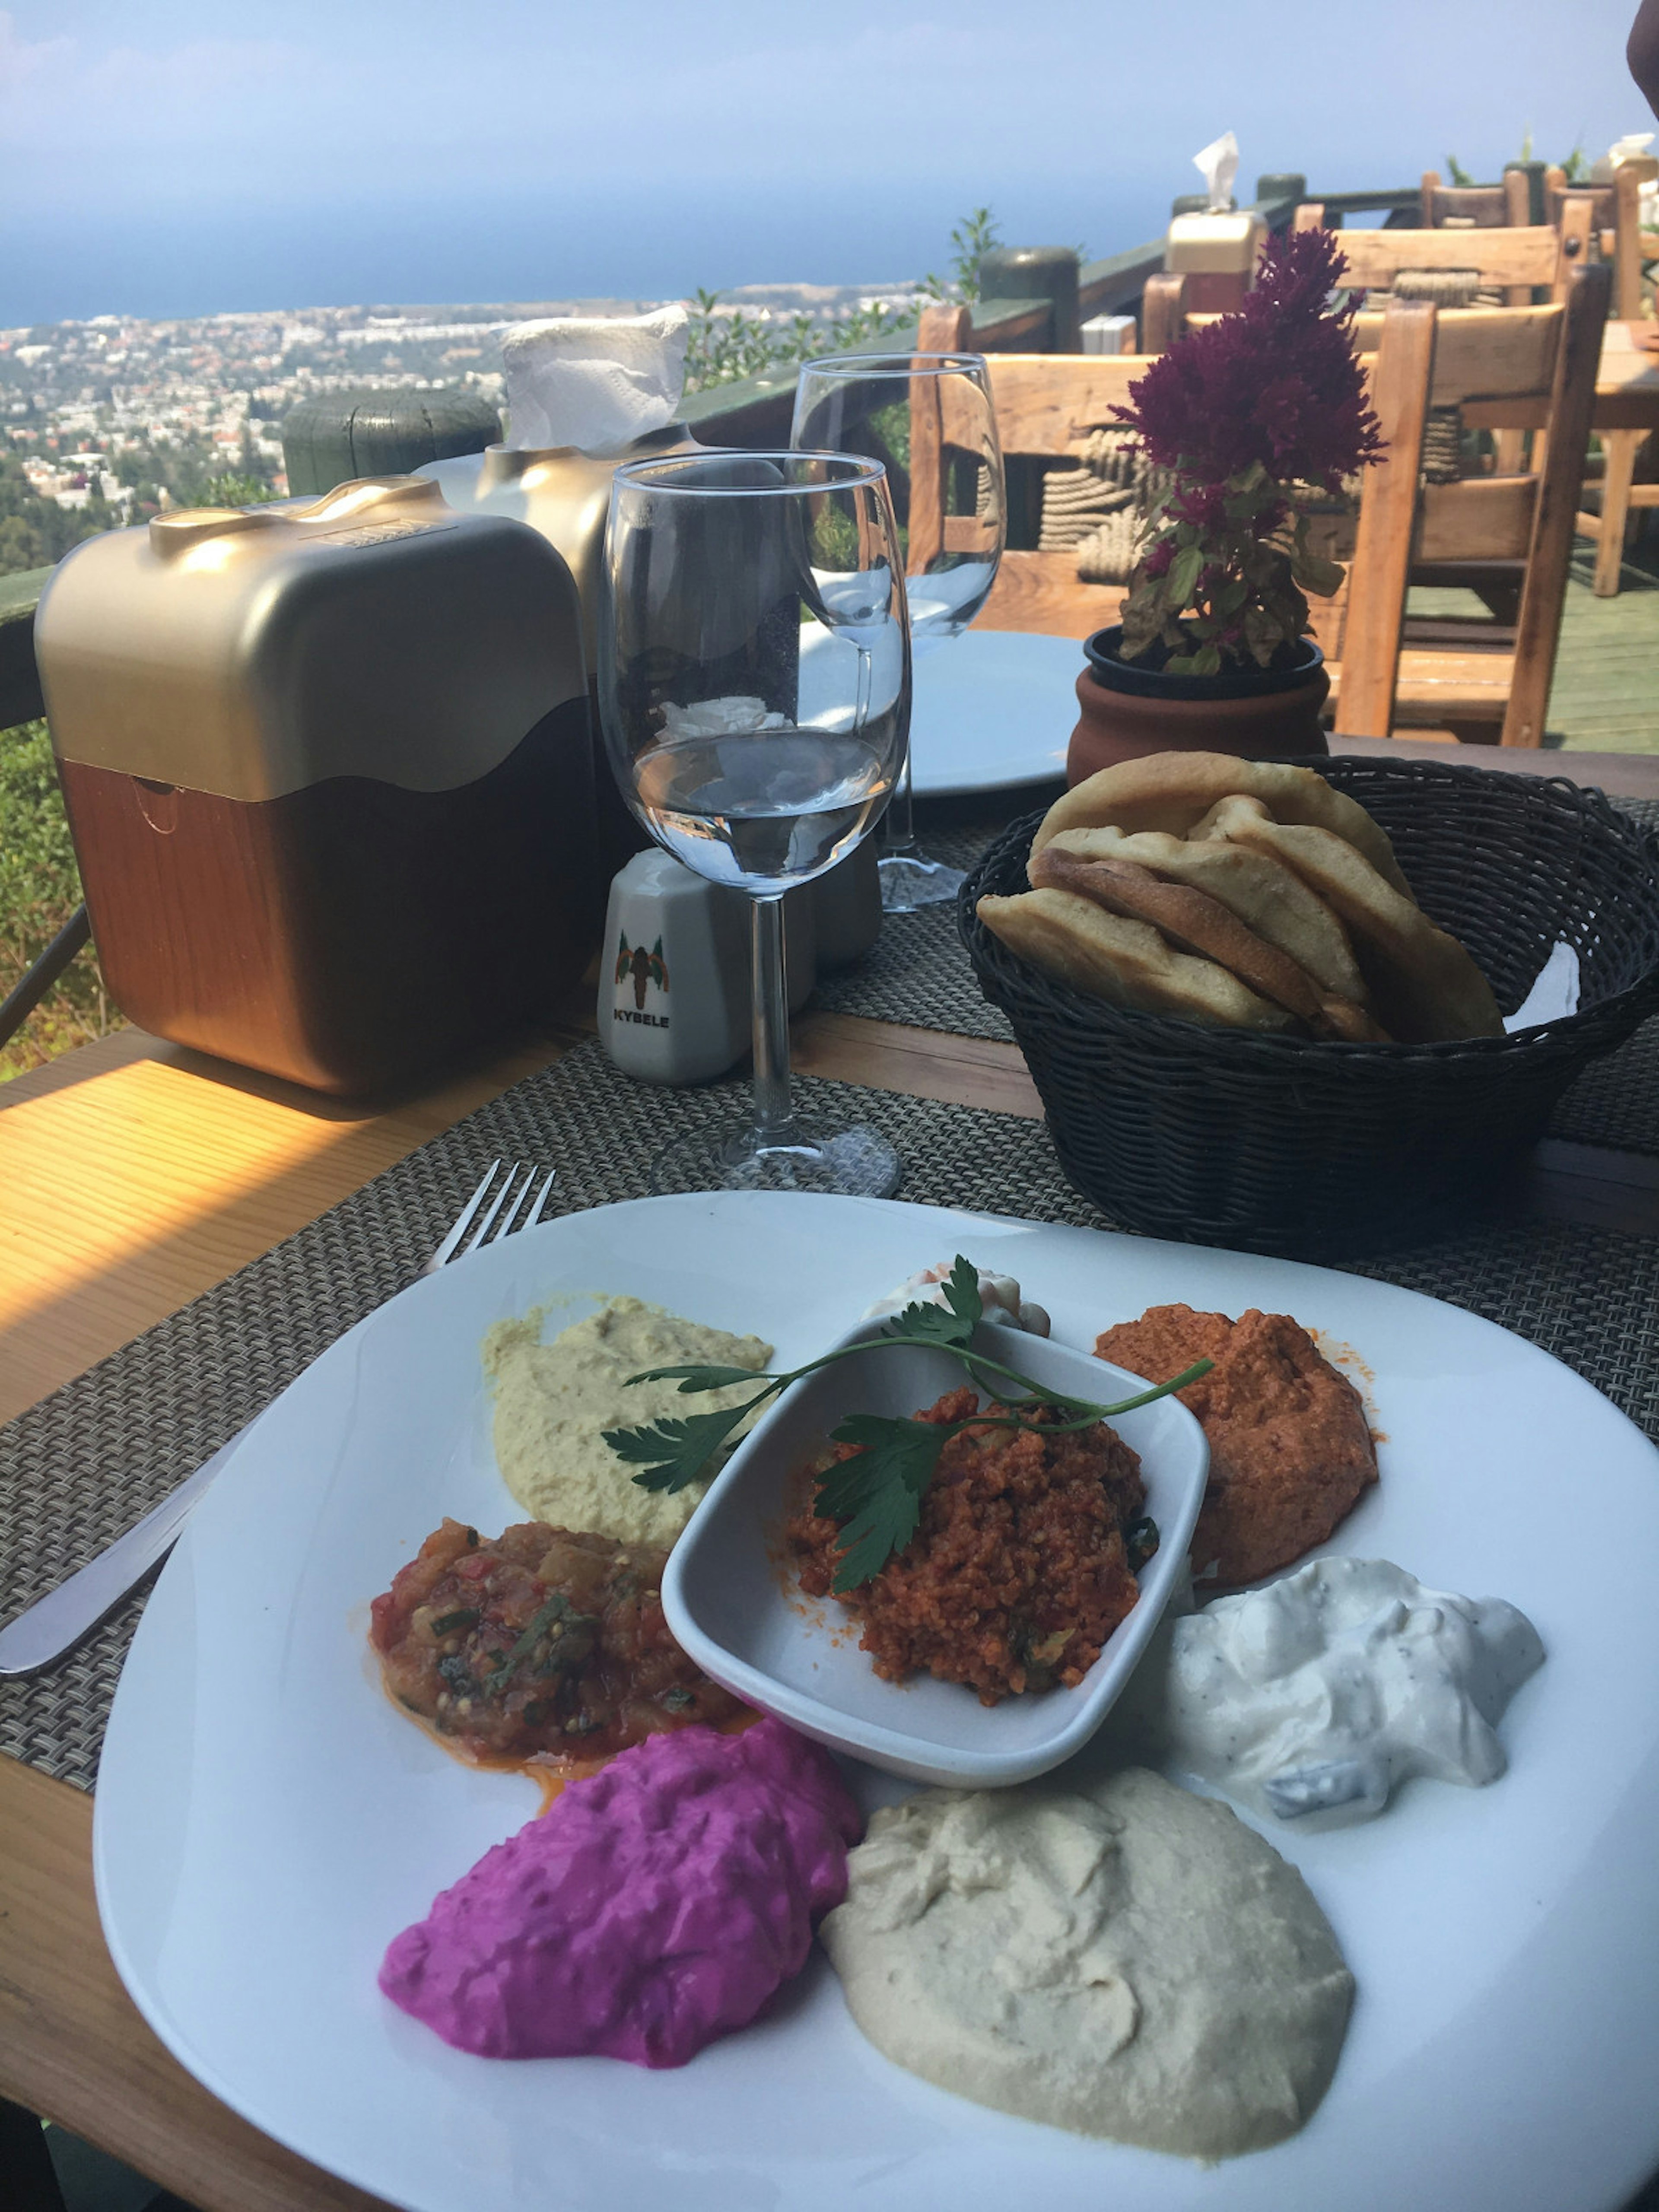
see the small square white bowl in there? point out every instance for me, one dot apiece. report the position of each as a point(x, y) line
point(733, 1604)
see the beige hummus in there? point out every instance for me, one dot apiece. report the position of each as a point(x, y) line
point(1122, 1958)
point(554, 1401)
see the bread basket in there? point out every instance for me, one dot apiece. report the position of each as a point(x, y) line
point(1326, 1151)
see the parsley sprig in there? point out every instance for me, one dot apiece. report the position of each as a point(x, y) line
point(875, 1499)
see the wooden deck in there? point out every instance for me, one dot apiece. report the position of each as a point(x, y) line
point(1606, 694)
point(1604, 698)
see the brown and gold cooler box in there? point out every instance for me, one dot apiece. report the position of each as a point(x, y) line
point(330, 774)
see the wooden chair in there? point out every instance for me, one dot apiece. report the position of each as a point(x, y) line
point(1615, 217)
point(1520, 259)
point(1047, 406)
point(1523, 369)
point(1486, 206)
point(1628, 247)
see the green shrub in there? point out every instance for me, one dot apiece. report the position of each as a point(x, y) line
point(40, 890)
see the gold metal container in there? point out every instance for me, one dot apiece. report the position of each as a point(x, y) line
point(1216, 253)
point(329, 770)
point(565, 495)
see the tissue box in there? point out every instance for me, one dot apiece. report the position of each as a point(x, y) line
point(1217, 254)
point(329, 773)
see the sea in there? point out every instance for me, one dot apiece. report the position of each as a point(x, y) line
point(584, 241)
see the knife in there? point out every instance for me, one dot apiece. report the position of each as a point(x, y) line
point(55, 1623)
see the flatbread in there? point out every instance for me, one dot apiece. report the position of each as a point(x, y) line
point(1267, 897)
point(1172, 790)
point(1126, 963)
point(1424, 987)
point(1194, 923)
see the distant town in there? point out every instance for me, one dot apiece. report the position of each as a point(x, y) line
point(111, 420)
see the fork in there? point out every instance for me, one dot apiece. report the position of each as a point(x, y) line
point(54, 1624)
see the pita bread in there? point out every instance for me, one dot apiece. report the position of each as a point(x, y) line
point(1267, 897)
point(1124, 962)
point(1194, 923)
point(1424, 985)
point(1173, 791)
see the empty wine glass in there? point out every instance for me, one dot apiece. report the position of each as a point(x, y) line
point(755, 694)
point(928, 418)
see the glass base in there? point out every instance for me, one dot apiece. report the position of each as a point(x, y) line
point(909, 882)
point(851, 1163)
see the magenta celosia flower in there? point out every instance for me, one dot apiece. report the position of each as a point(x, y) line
point(1239, 415)
point(1278, 382)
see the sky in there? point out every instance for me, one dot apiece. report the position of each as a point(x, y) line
point(185, 157)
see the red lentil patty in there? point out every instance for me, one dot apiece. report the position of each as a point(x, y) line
point(1018, 1571)
point(543, 1643)
point(1291, 1451)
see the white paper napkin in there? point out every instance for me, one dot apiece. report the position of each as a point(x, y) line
point(1218, 164)
point(593, 382)
point(1554, 992)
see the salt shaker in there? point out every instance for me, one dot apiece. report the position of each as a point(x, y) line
point(674, 970)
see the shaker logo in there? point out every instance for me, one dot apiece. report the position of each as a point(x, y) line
point(645, 968)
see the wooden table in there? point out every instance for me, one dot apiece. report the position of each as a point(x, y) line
point(137, 1175)
point(1626, 411)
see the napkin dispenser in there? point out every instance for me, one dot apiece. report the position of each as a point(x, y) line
point(563, 495)
point(329, 772)
point(1217, 254)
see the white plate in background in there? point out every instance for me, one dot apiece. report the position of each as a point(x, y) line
point(992, 709)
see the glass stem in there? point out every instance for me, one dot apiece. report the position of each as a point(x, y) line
point(898, 825)
point(773, 1118)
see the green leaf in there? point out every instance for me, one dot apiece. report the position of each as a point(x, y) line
point(876, 1498)
point(1206, 661)
point(676, 1452)
point(1183, 573)
point(1316, 575)
point(693, 1378)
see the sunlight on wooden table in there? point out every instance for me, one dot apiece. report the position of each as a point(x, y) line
point(137, 1176)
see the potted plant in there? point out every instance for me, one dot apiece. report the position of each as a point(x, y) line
point(1243, 419)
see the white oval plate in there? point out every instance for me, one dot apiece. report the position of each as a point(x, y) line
point(989, 711)
point(266, 1820)
point(753, 1630)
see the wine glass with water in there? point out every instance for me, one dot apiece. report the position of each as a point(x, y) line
point(754, 692)
point(929, 419)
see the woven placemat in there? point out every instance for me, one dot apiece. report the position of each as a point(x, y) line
point(918, 973)
point(85, 1463)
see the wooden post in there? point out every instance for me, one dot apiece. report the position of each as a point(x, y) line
point(1627, 249)
point(1572, 402)
point(1037, 273)
point(1163, 311)
point(1621, 448)
point(1378, 581)
point(926, 541)
point(1431, 186)
point(945, 326)
point(1578, 232)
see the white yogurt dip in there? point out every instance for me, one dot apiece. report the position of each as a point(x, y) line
point(999, 1294)
point(1324, 1690)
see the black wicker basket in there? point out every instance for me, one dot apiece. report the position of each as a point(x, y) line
point(1327, 1151)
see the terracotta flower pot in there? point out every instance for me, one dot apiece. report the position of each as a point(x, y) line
point(1128, 711)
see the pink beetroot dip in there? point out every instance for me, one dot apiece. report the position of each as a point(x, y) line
point(653, 1907)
